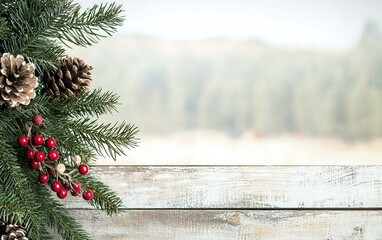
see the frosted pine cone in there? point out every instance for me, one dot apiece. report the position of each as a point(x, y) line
point(17, 81)
point(72, 77)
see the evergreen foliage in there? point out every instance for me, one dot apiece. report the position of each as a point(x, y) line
point(40, 30)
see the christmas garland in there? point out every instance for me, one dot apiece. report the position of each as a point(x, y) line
point(49, 133)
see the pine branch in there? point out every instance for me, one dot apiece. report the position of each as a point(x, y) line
point(103, 138)
point(56, 115)
point(36, 25)
point(29, 23)
point(68, 145)
point(104, 198)
point(66, 226)
point(38, 30)
point(87, 27)
point(9, 120)
point(62, 121)
point(59, 218)
point(11, 210)
point(16, 185)
point(93, 104)
point(4, 31)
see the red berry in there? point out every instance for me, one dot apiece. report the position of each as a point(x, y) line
point(88, 194)
point(67, 187)
point(51, 171)
point(29, 153)
point(37, 140)
point(56, 186)
point(38, 119)
point(23, 141)
point(34, 164)
point(53, 155)
point(75, 193)
point(83, 169)
point(76, 186)
point(43, 178)
point(50, 142)
point(39, 156)
point(62, 193)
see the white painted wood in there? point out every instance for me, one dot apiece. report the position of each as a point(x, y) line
point(242, 186)
point(231, 225)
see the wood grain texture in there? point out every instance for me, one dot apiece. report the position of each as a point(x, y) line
point(230, 225)
point(248, 187)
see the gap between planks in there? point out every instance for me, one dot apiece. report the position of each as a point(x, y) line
point(233, 209)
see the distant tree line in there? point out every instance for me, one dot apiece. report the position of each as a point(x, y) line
point(240, 86)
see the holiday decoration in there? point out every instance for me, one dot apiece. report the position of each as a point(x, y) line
point(17, 80)
point(60, 168)
point(49, 137)
point(62, 193)
point(71, 78)
point(50, 142)
point(12, 232)
point(88, 194)
point(34, 164)
point(83, 169)
point(43, 178)
point(23, 141)
point(38, 119)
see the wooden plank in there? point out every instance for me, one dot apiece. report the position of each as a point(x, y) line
point(242, 186)
point(229, 225)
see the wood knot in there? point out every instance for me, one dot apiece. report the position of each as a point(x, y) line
point(234, 219)
point(358, 231)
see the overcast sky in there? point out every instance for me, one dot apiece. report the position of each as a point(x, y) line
point(324, 24)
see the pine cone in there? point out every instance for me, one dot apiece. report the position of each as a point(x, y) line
point(14, 232)
point(71, 78)
point(17, 81)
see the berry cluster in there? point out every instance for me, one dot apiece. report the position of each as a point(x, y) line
point(43, 155)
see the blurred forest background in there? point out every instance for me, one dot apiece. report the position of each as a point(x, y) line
point(196, 99)
point(224, 85)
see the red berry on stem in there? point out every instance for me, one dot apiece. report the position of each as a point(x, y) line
point(76, 186)
point(23, 141)
point(39, 156)
point(62, 193)
point(56, 186)
point(34, 164)
point(75, 193)
point(67, 187)
point(29, 153)
point(37, 140)
point(43, 178)
point(88, 194)
point(53, 155)
point(38, 119)
point(50, 142)
point(83, 169)
point(51, 171)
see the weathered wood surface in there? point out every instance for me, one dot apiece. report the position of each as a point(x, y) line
point(248, 187)
point(239, 202)
point(230, 225)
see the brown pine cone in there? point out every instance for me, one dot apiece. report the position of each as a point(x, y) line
point(14, 232)
point(17, 81)
point(71, 78)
